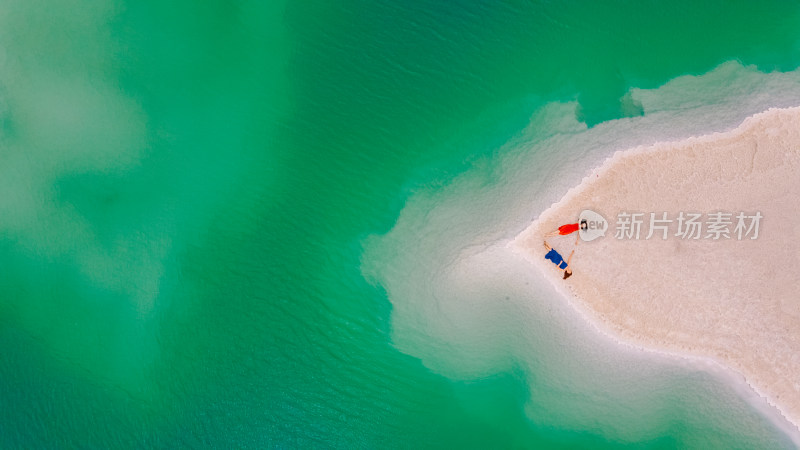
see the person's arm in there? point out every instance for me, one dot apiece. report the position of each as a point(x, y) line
point(569, 259)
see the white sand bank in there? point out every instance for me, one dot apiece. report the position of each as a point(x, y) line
point(735, 301)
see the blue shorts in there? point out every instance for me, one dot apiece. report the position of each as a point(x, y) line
point(554, 256)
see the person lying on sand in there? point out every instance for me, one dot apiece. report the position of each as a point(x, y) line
point(564, 230)
point(558, 260)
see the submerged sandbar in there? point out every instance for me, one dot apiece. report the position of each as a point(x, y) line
point(733, 300)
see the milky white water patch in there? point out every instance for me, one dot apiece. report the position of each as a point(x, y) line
point(108, 172)
point(467, 307)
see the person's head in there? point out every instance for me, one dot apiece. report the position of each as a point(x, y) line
point(567, 273)
point(584, 224)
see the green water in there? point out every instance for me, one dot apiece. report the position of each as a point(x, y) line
point(185, 191)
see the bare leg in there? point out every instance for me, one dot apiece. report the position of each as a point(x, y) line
point(552, 233)
point(547, 246)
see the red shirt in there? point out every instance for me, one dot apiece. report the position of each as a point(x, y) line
point(568, 228)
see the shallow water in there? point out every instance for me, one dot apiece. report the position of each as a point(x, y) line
point(186, 194)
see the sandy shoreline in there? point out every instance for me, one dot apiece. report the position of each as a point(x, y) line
point(730, 300)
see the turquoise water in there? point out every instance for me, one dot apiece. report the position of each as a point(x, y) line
point(187, 193)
